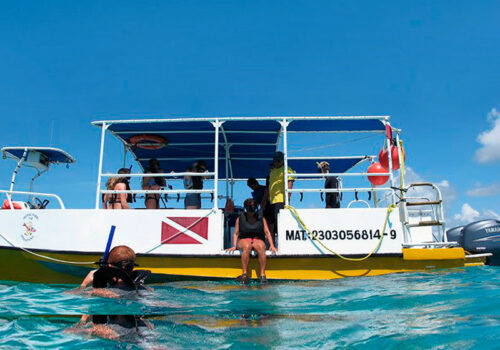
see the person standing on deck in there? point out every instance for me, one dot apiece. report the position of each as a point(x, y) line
point(260, 196)
point(118, 200)
point(276, 189)
point(193, 200)
point(153, 183)
point(331, 182)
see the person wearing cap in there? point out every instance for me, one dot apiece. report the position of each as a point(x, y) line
point(332, 199)
point(276, 189)
point(118, 200)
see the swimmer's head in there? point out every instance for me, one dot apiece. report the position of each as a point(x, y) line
point(123, 257)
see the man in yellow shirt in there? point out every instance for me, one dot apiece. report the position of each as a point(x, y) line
point(277, 186)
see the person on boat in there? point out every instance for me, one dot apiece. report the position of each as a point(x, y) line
point(193, 200)
point(277, 186)
point(332, 199)
point(259, 196)
point(118, 200)
point(250, 233)
point(116, 272)
point(153, 183)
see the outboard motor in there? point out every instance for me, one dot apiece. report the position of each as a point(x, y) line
point(483, 237)
point(456, 234)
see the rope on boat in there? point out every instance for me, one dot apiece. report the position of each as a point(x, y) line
point(48, 257)
point(315, 237)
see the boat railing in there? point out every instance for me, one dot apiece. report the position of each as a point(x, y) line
point(162, 190)
point(171, 174)
point(9, 194)
point(315, 176)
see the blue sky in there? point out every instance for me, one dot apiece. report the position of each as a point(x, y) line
point(431, 65)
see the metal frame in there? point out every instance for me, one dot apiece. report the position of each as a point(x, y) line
point(9, 194)
point(217, 123)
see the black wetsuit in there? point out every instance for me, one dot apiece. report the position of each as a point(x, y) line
point(332, 198)
point(251, 230)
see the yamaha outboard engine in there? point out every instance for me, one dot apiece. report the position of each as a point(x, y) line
point(456, 234)
point(483, 237)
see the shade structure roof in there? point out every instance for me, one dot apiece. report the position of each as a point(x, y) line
point(246, 144)
point(54, 155)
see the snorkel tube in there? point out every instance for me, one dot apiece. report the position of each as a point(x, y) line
point(104, 258)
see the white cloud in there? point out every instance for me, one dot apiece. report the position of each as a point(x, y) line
point(488, 213)
point(467, 215)
point(484, 191)
point(490, 140)
point(448, 192)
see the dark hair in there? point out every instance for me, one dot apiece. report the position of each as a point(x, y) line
point(249, 203)
point(252, 181)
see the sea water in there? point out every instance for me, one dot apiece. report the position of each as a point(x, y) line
point(444, 309)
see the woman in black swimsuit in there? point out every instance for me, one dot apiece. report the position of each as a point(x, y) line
point(250, 232)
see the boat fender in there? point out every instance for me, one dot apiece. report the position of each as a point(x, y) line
point(150, 142)
point(377, 180)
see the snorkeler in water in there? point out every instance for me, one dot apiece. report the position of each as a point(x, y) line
point(116, 272)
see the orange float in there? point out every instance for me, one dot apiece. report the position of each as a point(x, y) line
point(383, 157)
point(377, 180)
point(151, 142)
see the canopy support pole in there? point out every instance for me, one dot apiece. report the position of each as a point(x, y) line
point(391, 175)
point(217, 124)
point(99, 171)
point(14, 175)
point(38, 174)
point(284, 132)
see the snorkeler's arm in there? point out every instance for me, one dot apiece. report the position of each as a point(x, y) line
point(84, 319)
point(104, 293)
point(235, 235)
point(88, 279)
point(123, 196)
point(268, 236)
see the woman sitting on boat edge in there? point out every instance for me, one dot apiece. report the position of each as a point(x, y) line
point(250, 233)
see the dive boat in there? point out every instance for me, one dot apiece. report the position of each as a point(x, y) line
point(49, 243)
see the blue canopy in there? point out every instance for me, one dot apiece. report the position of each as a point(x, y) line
point(54, 155)
point(248, 143)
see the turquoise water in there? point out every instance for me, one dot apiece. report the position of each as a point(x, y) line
point(447, 309)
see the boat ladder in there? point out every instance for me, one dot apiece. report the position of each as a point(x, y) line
point(428, 205)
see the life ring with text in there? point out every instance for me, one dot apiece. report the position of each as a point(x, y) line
point(151, 142)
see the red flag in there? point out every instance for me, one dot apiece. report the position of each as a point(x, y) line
point(184, 230)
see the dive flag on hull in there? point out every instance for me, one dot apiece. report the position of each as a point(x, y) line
point(184, 230)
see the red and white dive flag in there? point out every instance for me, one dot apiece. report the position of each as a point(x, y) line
point(184, 230)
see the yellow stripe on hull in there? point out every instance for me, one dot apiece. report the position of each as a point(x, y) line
point(25, 267)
